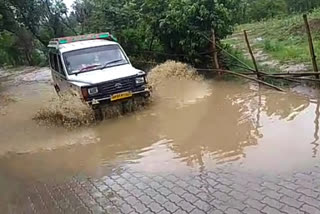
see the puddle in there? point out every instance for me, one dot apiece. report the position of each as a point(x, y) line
point(191, 125)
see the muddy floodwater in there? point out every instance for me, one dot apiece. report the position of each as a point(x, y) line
point(190, 126)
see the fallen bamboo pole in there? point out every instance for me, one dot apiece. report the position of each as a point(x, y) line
point(244, 76)
point(237, 59)
point(247, 67)
point(243, 67)
point(311, 47)
point(306, 79)
point(292, 80)
point(251, 53)
point(295, 78)
point(285, 78)
point(229, 54)
point(292, 74)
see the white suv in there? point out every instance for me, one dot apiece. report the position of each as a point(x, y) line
point(96, 68)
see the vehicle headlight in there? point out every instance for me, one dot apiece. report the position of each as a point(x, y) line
point(140, 80)
point(93, 90)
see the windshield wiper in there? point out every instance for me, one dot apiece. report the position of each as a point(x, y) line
point(87, 68)
point(111, 62)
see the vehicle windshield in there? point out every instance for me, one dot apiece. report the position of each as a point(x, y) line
point(94, 58)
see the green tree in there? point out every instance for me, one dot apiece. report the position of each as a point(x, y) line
point(264, 9)
point(81, 14)
point(302, 5)
point(174, 26)
point(30, 23)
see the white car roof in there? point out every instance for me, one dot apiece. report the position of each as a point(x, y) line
point(84, 44)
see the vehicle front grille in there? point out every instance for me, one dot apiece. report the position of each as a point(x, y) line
point(116, 86)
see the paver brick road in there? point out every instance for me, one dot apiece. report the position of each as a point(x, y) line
point(226, 189)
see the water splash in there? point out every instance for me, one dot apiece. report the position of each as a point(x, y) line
point(172, 70)
point(68, 111)
point(5, 100)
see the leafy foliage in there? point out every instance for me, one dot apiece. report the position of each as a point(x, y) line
point(257, 10)
point(173, 26)
point(179, 28)
point(302, 5)
point(31, 25)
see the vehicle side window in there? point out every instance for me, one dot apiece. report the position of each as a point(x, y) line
point(60, 69)
point(56, 63)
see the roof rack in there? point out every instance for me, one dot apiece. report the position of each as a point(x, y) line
point(54, 43)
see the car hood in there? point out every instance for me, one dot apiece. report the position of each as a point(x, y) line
point(104, 75)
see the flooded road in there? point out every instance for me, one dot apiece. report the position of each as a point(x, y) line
point(189, 127)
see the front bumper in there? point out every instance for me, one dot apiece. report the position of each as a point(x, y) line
point(146, 92)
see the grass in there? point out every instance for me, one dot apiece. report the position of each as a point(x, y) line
point(284, 39)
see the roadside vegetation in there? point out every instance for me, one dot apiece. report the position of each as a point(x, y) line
point(285, 39)
point(156, 30)
point(144, 28)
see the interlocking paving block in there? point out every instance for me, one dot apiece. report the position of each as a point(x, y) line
point(291, 202)
point(232, 211)
point(309, 200)
point(160, 199)
point(272, 194)
point(255, 204)
point(310, 210)
point(272, 203)
point(186, 206)
point(308, 192)
point(178, 190)
point(202, 205)
point(219, 205)
point(155, 207)
point(170, 206)
point(271, 210)
point(238, 195)
point(141, 208)
point(251, 211)
point(291, 210)
point(224, 190)
point(290, 193)
point(255, 195)
point(215, 212)
point(189, 197)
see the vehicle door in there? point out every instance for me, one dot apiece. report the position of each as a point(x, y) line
point(58, 73)
point(64, 84)
point(54, 72)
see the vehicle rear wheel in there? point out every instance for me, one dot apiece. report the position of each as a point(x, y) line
point(98, 114)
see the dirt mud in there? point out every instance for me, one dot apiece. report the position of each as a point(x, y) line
point(301, 29)
point(264, 59)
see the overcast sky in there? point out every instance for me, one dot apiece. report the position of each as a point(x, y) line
point(68, 2)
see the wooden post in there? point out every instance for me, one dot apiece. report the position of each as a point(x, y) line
point(312, 53)
point(215, 52)
point(251, 53)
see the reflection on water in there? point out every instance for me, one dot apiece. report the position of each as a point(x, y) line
point(190, 126)
point(316, 131)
